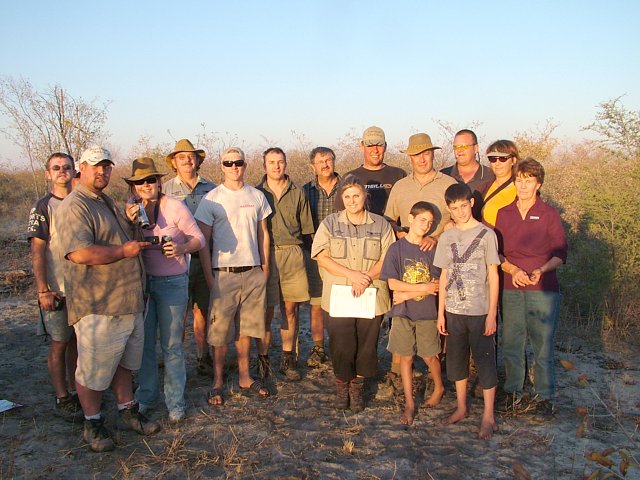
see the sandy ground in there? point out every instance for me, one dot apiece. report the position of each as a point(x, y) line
point(297, 434)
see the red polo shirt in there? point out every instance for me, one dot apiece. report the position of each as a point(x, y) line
point(531, 242)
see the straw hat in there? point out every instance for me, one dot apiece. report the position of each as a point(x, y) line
point(185, 145)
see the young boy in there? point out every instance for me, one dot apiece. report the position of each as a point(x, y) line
point(414, 281)
point(468, 257)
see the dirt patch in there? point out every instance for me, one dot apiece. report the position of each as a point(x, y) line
point(297, 434)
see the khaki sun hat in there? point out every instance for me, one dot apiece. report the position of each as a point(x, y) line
point(142, 168)
point(373, 136)
point(185, 145)
point(418, 143)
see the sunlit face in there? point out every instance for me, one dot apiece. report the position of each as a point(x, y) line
point(373, 155)
point(148, 191)
point(464, 149)
point(96, 177)
point(354, 199)
point(323, 166)
point(185, 163)
point(503, 169)
point(233, 173)
point(422, 162)
point(460, 211)
point(275, 165)
point(60, 172)
point(526, 187)
point(421, 223)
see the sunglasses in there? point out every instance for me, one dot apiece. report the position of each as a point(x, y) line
point(500, 159)
point(64, 168)
point(464, 147)
point(231, 163)
point(149, 180)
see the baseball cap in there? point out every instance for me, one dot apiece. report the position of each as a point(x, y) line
point(94, 155)
point(373, 136)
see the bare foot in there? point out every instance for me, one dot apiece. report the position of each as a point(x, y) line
point(434, 399)
point(455, 417)
point(487, 429)
point(407, 416)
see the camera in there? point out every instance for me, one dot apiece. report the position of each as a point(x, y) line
point(59, 303)
point(155, 240)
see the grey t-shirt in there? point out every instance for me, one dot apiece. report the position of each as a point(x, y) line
point(466, 254)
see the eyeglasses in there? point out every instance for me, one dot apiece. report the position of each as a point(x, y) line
point(464, 147)
point(500, 159)
point(231, 163)
point(149, 180)
point(64, 168)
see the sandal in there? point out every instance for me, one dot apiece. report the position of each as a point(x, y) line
point(215, 397)
point(255, 390)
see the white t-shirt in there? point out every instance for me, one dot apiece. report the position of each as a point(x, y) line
point(234, 216)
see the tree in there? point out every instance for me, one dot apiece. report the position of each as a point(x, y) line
point(47, 121)
point(538, 143)
point(618, 128)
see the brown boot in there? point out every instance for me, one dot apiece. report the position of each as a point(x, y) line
point(342, 395)
point(356, 394)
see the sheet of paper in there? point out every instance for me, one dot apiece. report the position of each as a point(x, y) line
point(7, 405)
point(344, 304)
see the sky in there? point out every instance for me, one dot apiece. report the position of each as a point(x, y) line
point(259, 70)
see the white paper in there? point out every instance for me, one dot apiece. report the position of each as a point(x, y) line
point(7, 405)
point(344, 304)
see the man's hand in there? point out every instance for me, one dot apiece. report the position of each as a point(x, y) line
point(427, 243)
point(133, 248)
point(490, 325)
point(48, 300)
point(441, 324)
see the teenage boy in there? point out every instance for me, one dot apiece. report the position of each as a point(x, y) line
point(468, 257)
point(413, 278)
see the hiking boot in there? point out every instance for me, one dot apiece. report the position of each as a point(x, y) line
point(356, 394)
point(544, 408)
point(288, 366)
point(317, 357)
point(97, 436)
point(132, 419)
point(205, 365)
point(341, 401)
point(68, 408)
point(263, 368)
point(176, 416)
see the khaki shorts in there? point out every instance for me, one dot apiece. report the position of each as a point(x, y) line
point(106, 342)
point(55, 325)
point(314, 279)
point(408, 338)
point(237, 306)
point(289, 274)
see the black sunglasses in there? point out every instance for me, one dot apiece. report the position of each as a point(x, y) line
point(231, 163)
point(149, 180)
point(500, 159)
point(66, 168)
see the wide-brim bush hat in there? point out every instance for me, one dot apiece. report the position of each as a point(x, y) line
point(142, 168)
point(185, 145)
point(419, 143)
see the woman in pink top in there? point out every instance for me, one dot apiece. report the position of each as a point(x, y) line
point(173, 232)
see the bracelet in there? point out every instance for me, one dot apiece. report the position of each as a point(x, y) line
point(46, 291)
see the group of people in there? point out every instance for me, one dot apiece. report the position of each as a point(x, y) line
point(426, 249)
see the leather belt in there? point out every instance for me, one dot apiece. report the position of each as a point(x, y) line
point(233, 269)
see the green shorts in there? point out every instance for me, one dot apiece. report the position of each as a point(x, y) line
point(55, 325)
point(287, 276)
point(408, 338)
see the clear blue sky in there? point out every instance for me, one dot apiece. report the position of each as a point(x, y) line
point(260, 69)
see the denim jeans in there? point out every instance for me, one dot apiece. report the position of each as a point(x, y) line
point(168, 298)
point(532, 314)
